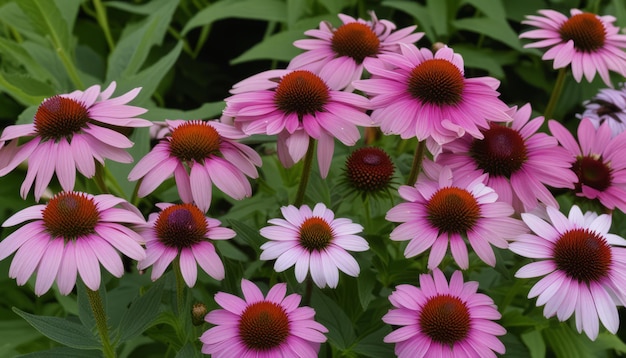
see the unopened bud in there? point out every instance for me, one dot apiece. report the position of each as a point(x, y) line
point(198, 311)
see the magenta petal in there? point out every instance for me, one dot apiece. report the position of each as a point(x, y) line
point(188, 267)
point(87, 264)
point(49, 266)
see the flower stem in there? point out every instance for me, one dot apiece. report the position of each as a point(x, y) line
point(306, 300)
point(99, 179)
point(556, 93)
point(95, 301)
point(180, 286)
point(101, 16)
point(417, 162)
point(306, 173)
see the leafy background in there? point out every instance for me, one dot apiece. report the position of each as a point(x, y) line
point(186, 55)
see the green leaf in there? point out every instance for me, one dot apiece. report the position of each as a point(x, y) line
point(276, 47)
point(534, 341)
point(327, 312)
point(12, 51)
point(518, 10)
point(47, 20)
point(420, 14)
point(205, 111)
point(61, 330)
point(365, 283)
point(247, 234)
point(497, 29)
point(268, 10)
point(69, 11)
point(16, 332)
point(15, 91)
point(373, 346)
point(335, 6)
point(63, 352)
point(148, 8)
point(142, 312)
point(493, 9)
point(438, 11)
point(565, 342)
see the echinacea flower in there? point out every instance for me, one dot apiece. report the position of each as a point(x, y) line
point(443, 320)
point(73, 234)
point(297, 105)
point(519, 161)
point(199, 154)
point(599, 163)
point(442, 207)
point(313, 240)
point(589, 42)
point(416, 93)
point(70, 132)
point(338, 53)
point(369, 170)
point(182, 230)
point(583, 272)
point(262, 326)
point(609, 106)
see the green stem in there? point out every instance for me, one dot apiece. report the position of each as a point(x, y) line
point(95, 301)
point(99, 179)
point(556, 93)
point(101, 16)
point(180, 286)
point(306, 300)
point(204, 35)
point(417, 162)
point(306, 173)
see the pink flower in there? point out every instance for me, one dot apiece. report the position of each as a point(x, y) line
point(313, 240)
point(518, 161)
point(609, 106)
point(258, 326)
point(199, 154)
point(441, 320)
point(443, 208)
point(584, 273)
point(338, 53)
point(297, 105)
point(182, 230)
point(68, 132)
point(73, 233)
point(600, 163)
point(590, 43)
point(418, 94)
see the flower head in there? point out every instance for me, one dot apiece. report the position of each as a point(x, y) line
point(182, 230)
point(416, 93)
point(518, 161)
point(70, 132)
point(270, 326)
point(297, 105)
point(74, 233)
point(441, 320)
point(369, 170)
point(599, 162)
point(608, 106)
point(199, 154)
point(338, 53)
point(584, 272)
point(590, 43)
point(443, 208)
point(313, 240)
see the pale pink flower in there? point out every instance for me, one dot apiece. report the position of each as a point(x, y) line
point(609, 106)
point(262, 326)
point(73, 234)
point(441, 320)
point(199, 154)
point(585, 274)
point(313, 240)
point(70, 132)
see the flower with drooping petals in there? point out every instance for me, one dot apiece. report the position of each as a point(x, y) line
point(199, 154)
point(258, 326)
point(70, 132)
point(518, 161)
point(313, 240)
point(338, 53)
point(583, 272)
point(416, 93)
point(73, 234)
point(609, 106)
point(297, 105)
point(182, 230)
point(441, 320)
point(599, 163)
point(443, 207)
point(589, 42)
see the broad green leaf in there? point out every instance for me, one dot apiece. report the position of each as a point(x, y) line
point(47, 20)
point(63, 352)
point(247, 234)
point(142, 313)
point(48, 59)
point(210, 110)
point(188, 351)
point(16, 332)
point(69, 11)
point(147, 8)
point(61, 330)
point(493, 28)
point(11, 14)
point(565, 342)
point(276, 47)
point(518, 10)
point(610, 341)
point(268, 10)
point(297, 9)
point(419, 12)
point(118, 172)
point(14, 90)
point(335, 6)
point(373, 346)
point(327, 312)
point(479, 58)
point(438, 11)
point(365, 283)
point(619, 11)
point(12, 51)
point(493, 9)
point(534, 341)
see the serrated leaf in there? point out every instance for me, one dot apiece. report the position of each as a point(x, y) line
point(327, 312)
point(142, 312)
point(268, 10)
point(61, 330)
point(276, 47)
point(493, 28)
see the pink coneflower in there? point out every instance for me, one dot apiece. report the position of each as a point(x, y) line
point(590, 43)
point(338, 54)
point(297, 105)
point(443, 208)
point(182, 230)
point(441, 320)
point(519, 161)
point(74, 233)
point(313, 240)
point(600, 163)
point(418, 94)
point(69, 132)
point(199, 154)
point(584, 273)
point(609, 106)
point(258, 326)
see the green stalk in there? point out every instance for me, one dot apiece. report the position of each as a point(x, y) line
point(556, 93)
point(95, 301)
point(180, 286)
point(417, 163)
point(99, 179)
point(101, 16)
point(306, 173)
